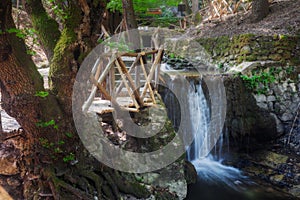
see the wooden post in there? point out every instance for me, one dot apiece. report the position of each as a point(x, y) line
point(156, 79)
point(89, 101)
point(125, 72)
point(126, 85)
point(152, 70)
point(130, 70)
point(104, 92)
point(137, 78)
point(112, 82)
point(147, 83)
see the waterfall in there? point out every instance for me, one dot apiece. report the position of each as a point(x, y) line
point(209, 168)
point(202, 115)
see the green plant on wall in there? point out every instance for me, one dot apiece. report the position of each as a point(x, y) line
point(259, 81)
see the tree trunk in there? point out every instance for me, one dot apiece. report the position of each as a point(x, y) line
point(46, 27)
point(195, 6)
point(131, 25)
point(49, 148)
point(260, 9)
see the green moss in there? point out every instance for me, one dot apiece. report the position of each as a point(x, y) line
point(275, 57)
point(198, 18)
point(46, 27)
point(240, 59)
point(251, 58)
point(276, 48)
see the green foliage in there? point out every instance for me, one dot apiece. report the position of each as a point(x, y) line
point(44, 142)
point(56, 149)
point(69, 135)
point(121, 46)
point(19, 33)
point(259, 81)
point(141, 6)
point(172, 55)
point(220, 65)
point(41, 94)
point(290, 70)
point(59, 8)
point(70, 157)
point(25, 34)
point(47, 124)
point(114, 5)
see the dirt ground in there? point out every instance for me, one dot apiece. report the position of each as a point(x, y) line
point(284, 18)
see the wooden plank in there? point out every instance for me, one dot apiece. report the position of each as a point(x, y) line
point(130, 80)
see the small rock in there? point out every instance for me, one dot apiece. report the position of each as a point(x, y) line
point(277, 178)
point(286, 117)
point(246, 50)
point(260, 98)
point(271, 98)
point(295, 191)
point(262, 105)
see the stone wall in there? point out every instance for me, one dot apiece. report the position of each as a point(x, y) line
point(246, 122)
point(280, 97)
point(228, 51)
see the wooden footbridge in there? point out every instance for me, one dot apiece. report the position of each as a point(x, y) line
point(128, 81)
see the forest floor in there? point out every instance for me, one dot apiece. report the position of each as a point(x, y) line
point(284, 18)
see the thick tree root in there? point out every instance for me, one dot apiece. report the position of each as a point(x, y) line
point(59, 184)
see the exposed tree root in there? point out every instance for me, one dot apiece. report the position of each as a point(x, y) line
point(59, 183)
point(96, 179)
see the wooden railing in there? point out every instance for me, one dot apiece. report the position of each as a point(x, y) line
point(129, 87)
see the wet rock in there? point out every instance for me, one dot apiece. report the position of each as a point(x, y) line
point(171, 180)
point(272, 159)
point(190, 173)
point(295, 191)
point(279, 126)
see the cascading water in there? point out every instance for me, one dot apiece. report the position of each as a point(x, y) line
point(209, 169)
